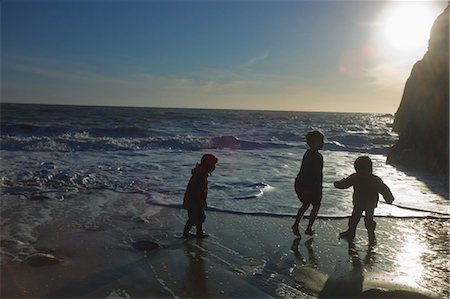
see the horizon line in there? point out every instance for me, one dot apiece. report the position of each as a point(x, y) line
point(191, 108)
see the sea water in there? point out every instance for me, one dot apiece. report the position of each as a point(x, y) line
point(54, 152)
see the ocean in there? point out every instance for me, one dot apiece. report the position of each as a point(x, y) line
point(52, 152)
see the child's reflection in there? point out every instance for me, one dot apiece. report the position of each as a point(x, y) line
point(312, 260)
point(196, 276)
point(369, 259)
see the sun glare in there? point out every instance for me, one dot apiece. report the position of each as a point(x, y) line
point(405, 29)
point(409, 259)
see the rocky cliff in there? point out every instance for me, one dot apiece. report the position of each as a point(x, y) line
point(422, 119)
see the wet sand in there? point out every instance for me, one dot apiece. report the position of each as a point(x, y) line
point(98, 241)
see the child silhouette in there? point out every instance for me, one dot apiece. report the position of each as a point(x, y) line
point(308, 183)
point(366, 188)
point(194, 200)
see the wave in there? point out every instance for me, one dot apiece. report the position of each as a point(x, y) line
point(25, 129)
point(257, 129)
point(96, 141)
point(335, 146)
point(123, 141)
point(31, 130)
point(361, 142)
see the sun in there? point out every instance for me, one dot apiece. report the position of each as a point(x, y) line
point(405, 28)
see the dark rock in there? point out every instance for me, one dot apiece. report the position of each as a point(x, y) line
point(41, 259)
point(139, 219)
point(145, 245)
point(38, 197)
point(91, 227)
point(422, 119)
point(225, 142)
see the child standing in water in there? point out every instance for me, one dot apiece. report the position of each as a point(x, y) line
point(195, 196)
point(366, 188)
point(308, 183)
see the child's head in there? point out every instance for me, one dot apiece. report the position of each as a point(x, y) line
point(209, 161)
point(315, 140)
point(363, 165)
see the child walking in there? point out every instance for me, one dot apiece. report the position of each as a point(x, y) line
point(194, 200)
point(366, 188)
point(308, 183)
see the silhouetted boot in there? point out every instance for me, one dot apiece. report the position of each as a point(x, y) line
point(309, 232)
point(200, 232)
point(349, 234)
point(186, 233)
point(295, 230)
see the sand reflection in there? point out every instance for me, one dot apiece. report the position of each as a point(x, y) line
point(410, 256)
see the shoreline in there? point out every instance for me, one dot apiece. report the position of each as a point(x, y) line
point(245, 256)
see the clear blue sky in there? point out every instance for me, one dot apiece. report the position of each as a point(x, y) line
point(277, 55)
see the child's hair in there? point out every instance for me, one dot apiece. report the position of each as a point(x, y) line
point(314, 137)
point(363, 165)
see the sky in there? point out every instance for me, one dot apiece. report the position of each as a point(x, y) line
point(340, 56)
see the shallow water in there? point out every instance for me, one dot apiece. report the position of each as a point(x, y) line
point(93, 234)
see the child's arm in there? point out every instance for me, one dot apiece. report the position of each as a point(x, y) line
point(345, 183)
point(192, 193)
point(386, 192)
point(188, 195)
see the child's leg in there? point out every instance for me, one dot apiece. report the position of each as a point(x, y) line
point(354, 219)
point(200, 229)
point(192, 221)
point(370, 225)
point(300, 213)
point(353, 223)
point(312, 218)
point(187, 228)
point(202, 217)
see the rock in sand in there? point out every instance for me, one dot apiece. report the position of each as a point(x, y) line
point(145, 245)
point(41, 259)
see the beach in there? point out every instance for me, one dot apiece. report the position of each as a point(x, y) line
point(138, 252)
